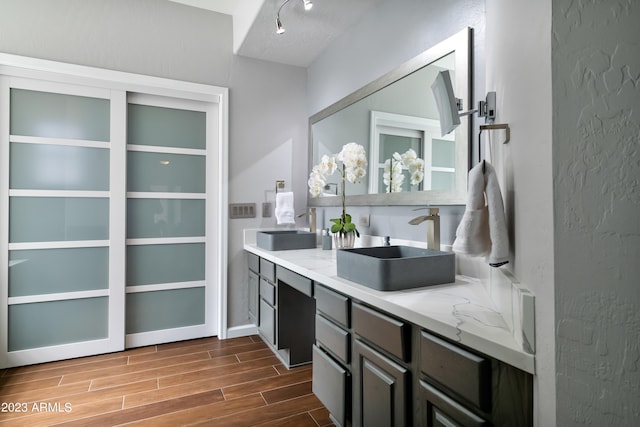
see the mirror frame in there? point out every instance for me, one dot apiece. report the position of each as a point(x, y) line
point(461, 43)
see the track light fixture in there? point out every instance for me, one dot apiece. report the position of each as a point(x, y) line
point(279, 27)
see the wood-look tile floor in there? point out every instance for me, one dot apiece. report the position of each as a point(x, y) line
point(212, 382)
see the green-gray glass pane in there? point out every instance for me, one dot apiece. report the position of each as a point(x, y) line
point(381, 187)
point(58, 167)
point(165, 218)
point(443, 153)
point(154, 264)
point(153, 311)
point(47, 271)
point(443, 181)
point(390, 144)
point(50, 219)
point(167, 173)
point(54, 115)
point(45, 324)
point(166, 127)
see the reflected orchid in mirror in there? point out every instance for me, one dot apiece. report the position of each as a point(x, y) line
point(354, 167)
point(393, 176)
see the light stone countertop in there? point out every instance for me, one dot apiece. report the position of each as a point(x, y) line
point(461, 311)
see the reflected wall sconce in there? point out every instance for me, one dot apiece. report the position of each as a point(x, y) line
point(279, 27)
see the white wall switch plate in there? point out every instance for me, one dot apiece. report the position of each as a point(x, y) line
point(363, 220)
point(266, 210)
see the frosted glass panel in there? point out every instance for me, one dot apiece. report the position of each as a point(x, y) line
point(165, 172)
point(443, 180)
point(444, 153)
point(166, 127)
point(58, 322)
point(390, 144)
point(59, 116)
point(58, 167)
point(154, 264)
point(165, 218)
point(151, 311)
point(47, 271)
point(47, 219)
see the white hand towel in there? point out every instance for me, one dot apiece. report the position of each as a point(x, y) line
point(472, 235)
point(284, 208)
point(497, 222)
point(483, 229)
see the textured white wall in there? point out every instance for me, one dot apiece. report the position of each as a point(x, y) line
point(166, 39)
point(518, 67)
point(596, 160)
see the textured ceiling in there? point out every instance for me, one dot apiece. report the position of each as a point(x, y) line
point(307, 34)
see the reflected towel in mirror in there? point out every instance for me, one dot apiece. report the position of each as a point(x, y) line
point(284, 208)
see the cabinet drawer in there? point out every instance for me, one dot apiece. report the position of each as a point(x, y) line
point(267, 326)
point(254, 262)
point(463, 372)
point(331, 385)
point(333, 305)
point(296, 281)
point(386, 332)
point(268, 270)
point(254, 286)
point(333, 338)
point(443, 411)
point(267, 292)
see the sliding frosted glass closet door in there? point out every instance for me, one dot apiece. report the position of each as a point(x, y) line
point(167, 292)
point(62, 207)
point(112, 210)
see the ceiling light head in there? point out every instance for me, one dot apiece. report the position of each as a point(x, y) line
point(308, 4)
point(279, 27)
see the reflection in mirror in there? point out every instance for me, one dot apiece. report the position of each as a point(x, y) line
point(393, 118)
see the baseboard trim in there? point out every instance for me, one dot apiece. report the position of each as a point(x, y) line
point(242, 331)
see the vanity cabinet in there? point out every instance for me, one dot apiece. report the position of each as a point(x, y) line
point(373, 368)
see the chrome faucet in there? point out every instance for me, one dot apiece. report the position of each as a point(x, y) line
point(311, 213)
point(433, 227)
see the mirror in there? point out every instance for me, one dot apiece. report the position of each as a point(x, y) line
point(393, 114)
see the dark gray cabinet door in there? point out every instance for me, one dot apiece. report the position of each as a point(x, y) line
point(441, 410)
point(253, 283)
point(381, 390)
point(331, 384)
point(267, 321)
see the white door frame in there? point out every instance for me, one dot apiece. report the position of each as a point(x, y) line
point(121, 83)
